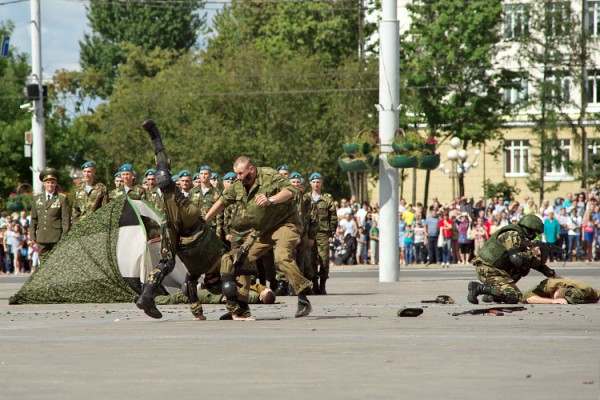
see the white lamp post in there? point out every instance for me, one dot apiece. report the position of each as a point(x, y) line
point(459, 164)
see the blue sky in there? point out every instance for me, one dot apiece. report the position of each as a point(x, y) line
point(63, 25)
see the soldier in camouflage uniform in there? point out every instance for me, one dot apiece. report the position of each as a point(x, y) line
point(505, 258)
point(118, 181)
point(184, 234)
point(326, 215)
point(184, 180)
point(154, 193)
point(205, 195)
point(265, 200)
point(50, 214)
point(128, 187)
point(561, 291)
point(228, 212)
point(214, 181)
point(90, 195)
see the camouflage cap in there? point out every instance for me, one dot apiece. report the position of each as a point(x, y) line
point(48, 173)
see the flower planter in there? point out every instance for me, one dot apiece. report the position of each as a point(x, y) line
point(350, 164)
point(402, 147)
point(397, 161)
point(430, 162)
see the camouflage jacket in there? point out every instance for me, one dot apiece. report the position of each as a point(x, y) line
point(577, 292)
point(85, 203)
point(137, 192)
point(155, 198)
point(50, 219)
point(326, 214)
point(307, 214)
point(204, 202)
point(261, 218)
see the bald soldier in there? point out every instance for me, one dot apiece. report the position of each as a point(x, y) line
point(50, 214)
point(90, 195)
point(266, 205)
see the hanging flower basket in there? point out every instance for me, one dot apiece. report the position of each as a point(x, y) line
point(430, 162)
point(349, 163)
point(402, 161)
point(402, 147)
point(365, 143)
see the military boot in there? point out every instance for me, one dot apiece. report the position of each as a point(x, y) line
point(304, 306)
point(290, 289)
point(476, 289)
point(487, 298)
point(282, 288)
point(322, 289)
point(315, 282)
point(163, 176)
point(145, 301)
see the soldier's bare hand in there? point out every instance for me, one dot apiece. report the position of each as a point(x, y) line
point(536, 251)
point(262, 200)
point(560, 301)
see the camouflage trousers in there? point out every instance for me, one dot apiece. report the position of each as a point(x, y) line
point(499, 280)
point(320, 256)
point(283, 242)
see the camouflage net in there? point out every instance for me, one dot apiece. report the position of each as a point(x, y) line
point(82, 268)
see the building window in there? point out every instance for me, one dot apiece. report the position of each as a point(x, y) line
point(593, 18)
point(555, 169)
point(516, 157)
point(558, 88)
point(516, 90)
point(593, 87)
point(593, 146)
point(557, 18)
point(516, 21)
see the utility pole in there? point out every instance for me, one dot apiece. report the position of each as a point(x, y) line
point(38, 128)
point(583, 87)
point(389, 94)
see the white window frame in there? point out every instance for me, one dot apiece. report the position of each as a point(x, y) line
point(514, 95)
point(566, 89)
point(516, 152)
point(560, 174)
point(557, 13)
point(593, 18)
point(593, 87)
point(516, 20)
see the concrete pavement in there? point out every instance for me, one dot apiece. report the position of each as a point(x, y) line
point(353, 346)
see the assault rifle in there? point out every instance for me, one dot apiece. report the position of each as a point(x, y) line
point(498, 311)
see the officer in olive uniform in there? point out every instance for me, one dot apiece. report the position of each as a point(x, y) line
point(154, 193)
point(128, 187)
point(90, 195)
point(205, 195)
point(266, 205)
point(505, 258)
point(326, 214)
point(50, 214)
point(184, 234)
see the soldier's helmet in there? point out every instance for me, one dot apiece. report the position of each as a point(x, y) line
point(532, 223)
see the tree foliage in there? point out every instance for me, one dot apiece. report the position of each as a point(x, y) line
point(145, 24)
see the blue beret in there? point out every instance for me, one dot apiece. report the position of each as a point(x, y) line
point(295, 175)
point(126, 167)
point(214, 175)
point(150, 171)
point(88, 164)
point(315, 175)
point(204, 168)
point(184, 172)
point(283, 167)
point(143, 181)
point(229, 176)
point(175, 177)
point(118, 174)
point(302, 181)
point(196, 176)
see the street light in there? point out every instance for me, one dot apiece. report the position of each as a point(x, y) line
point(459, 165)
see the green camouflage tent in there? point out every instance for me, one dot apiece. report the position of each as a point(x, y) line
point(103, 259)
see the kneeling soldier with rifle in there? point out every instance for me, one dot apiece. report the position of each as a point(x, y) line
point(184, 234)
point(505, 258)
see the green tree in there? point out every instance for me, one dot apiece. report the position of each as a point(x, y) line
point(146, 24)
point(446, 59)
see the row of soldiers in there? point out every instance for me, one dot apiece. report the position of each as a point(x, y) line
point(316, 210)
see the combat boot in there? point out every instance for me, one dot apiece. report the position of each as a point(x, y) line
point(476, 289)
point(315, 282)
point(290, 289)
point(304, 306)
point(163, 176)
point(322, 289)
point(282, 289)
point(487, 298)
point(145, 301)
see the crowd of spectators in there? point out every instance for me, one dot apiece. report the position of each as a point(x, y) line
point(453, 233)
point(18, 255)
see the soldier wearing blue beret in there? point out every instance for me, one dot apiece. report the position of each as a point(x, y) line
point(154, 193)
point(185, 181)
point(205, 195)
point(129, 187)
point(284, 170)
point(90, 195)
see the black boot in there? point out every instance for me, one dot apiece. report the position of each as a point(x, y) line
point(315, 288)
point(487, 298)
point(322, 289)
point(290, 289)
point(282, 288)
point(304, 307)
point(145, 302)
point(163, 176)
point(476, 289)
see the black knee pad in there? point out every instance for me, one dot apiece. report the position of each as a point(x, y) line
point(229, 287)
